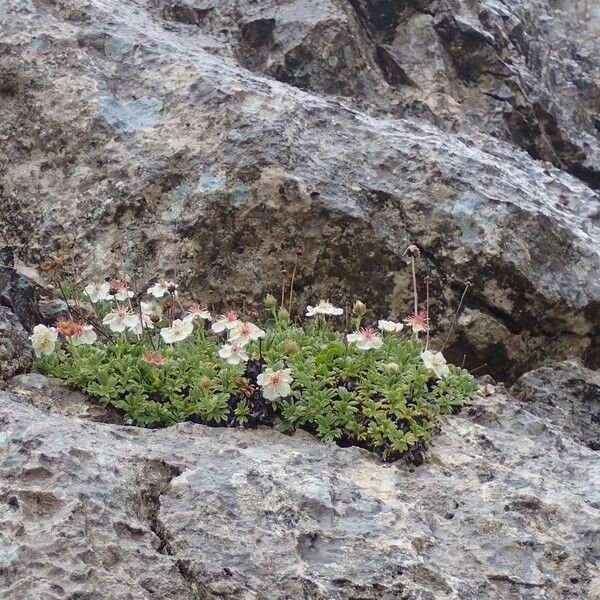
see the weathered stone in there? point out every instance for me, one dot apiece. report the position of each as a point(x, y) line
point(505, 507)
point(180, 161)
point(566, 393)
point(15, 348)
point(20, 294)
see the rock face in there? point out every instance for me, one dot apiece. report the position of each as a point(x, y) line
point(507, 506)
point(15, 348)
point(566, 390)
point(173, 137)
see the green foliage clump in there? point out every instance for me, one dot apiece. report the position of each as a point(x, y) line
point(384, 399)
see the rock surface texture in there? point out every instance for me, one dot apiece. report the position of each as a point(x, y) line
point(507, 506)
point(226, 142)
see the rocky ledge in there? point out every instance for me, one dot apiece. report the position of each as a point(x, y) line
point(506, 506)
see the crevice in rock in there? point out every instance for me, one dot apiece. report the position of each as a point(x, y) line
point(157, 476)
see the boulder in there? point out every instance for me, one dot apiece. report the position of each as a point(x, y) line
point(506, 506)
point(567, 393)
point(172, 138)
point(15, 347)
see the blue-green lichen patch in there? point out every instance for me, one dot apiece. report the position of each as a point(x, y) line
point(474, 216)
point(209, 183)
point(116, 47)
point(132, 115)
point(174, 211)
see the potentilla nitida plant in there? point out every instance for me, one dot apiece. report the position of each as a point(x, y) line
point(161, 361)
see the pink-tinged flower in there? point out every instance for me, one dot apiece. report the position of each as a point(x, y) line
point(245, 333)
point(85, 336)
point(323, 308)
point(154, 359)
point(195, 311)
point(487, 389)
point(137, 322)
point(436, 362)
point(233, 353)
point(162, 287)
point(97, 291)
point(366, 339)
point(230, 320)
point(118, 321)
point(275, 384)
point(418, 321)
point(389, 326)
point(118, 290)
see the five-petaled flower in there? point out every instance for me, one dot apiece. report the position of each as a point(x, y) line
point(389, 326)
point(275, 384)
point(366, 339)
point(43, 340)
point(230, 320)
point(178, 331)
point(154, 359)
point(245, 333)
point(152, 308)
point(118, 321)
point(162, 287)
point(323, 308)
point(436, 362)
point(233, 353)
point(418, 321)
point(97, 291)
point(195, 311)
point(84, 336)
point(138, 322)
point(119, 291)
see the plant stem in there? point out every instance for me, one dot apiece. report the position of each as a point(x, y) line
point(455, 319)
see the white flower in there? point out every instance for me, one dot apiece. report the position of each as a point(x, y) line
point(436, 362)
point(389, 326)
point(195, 311)
point(97, 291)
point(246, 332)
point(119, 291)
point(118, 321)
point(228, 321)
point(137, 323)
point(366, 339)
point(152, 308)
point(233, 353)
point(160, 288)
point(323, 308)
point(275, 384)
point(85, 335)
point(178, 331)
point(43, 340)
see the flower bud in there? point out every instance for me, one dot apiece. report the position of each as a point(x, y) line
point(391, 368)
point(359, 309)
point(172, 288)
point(291, 346)
point(206, 382)
point(155, 318)
point(270, 301)
point(283, 314)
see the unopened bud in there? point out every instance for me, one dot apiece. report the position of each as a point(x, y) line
point(206, 382)
point(270, 301)
point(283, 314)
point(172, 288)
point(291, 346)
point(359, 308)
point(391, 368)
point(154, 318)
